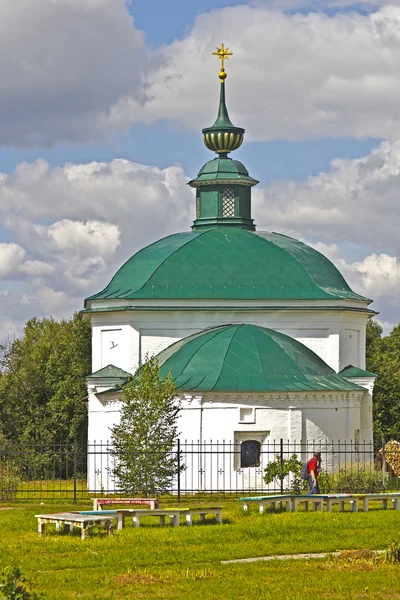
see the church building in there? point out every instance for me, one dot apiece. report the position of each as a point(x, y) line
point(263, 335)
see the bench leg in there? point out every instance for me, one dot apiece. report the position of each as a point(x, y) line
point(354, 505)
point(365, 504)
point(396, 503)
point(261, 508)
point(218, 516)
point(136, 521)
point(152, 504)
point(295, 504)
point(120, 521)
point(189, 520)
point(341, 506)
point(162, 520)
point(41, 527)
point(288, 505)
point(176, 520)
point(245, 506)
point(84, 532)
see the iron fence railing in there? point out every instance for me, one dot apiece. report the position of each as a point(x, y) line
point(68, 471)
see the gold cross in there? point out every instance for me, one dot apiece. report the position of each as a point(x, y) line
point(223, 54)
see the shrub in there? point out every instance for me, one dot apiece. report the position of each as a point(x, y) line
point(9, 481)
point(13, 586)
point(287, 468)
point(351, 481)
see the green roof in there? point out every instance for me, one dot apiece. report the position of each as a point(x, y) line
point(228, 264)
point(223, 169)
point(351, 371)
point(247, 358)
point(109, 372)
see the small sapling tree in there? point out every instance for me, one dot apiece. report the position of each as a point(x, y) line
point(288, 467)
point(145, 460)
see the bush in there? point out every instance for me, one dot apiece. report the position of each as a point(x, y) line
point(9, 481)
point(13, 586)
point(287, 468)
point(351, 481)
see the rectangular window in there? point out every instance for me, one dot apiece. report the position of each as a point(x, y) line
point(247, 415)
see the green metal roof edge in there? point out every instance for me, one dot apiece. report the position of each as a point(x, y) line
point(117, 373)
point(351, 371)
point(225, 308)
point(116, 388)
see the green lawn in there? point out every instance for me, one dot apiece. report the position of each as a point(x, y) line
point(184, 563)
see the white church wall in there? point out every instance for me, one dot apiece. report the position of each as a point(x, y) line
point(232, 419)
point(123, 339)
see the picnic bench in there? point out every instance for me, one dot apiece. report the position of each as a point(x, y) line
point(99, 502)
point(272, 501)
point(173, 514)
point(71, 519)
point(384, 497)
point(316, 502)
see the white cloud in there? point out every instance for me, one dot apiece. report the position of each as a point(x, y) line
point(11, 258)
point(357, 200)
point(293, 76)
point(59, 263)
point(63, 64)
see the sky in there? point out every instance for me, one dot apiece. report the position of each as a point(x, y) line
point(102, 104)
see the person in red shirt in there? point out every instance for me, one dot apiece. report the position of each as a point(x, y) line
point(314, 465)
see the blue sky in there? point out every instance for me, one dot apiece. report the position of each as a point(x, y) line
point(101, 109)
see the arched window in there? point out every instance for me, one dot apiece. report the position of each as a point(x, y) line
point(228, 202)
point(250, 451)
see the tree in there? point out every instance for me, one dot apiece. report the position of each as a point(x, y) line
point(42, 382)
point(383, 358)
point(143, 443)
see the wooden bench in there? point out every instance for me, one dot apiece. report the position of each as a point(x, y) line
point(316, 502)
point(383, 497)
point(272, 501)
point(99, 502)
point(70, 519)
point(174, 514)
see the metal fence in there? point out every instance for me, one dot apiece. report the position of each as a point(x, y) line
point(68, 471)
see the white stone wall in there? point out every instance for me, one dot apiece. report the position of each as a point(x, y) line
point(124, 338)
point(230, 419)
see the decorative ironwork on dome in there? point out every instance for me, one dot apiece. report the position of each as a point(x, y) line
point(223, 137)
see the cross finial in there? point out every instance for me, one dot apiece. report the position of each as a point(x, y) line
point(223, 54)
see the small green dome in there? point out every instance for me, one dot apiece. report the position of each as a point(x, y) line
point(223, 170)
point(247, 358)
point(228, 264)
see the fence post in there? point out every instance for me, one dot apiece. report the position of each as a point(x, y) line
point(75, 468)
point(383, 465)
point(281, 465)
point(179, 470)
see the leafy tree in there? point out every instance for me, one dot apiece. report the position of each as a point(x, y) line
point(143, 442)
point(42, 382)
point(288, 467)
point(383, 358)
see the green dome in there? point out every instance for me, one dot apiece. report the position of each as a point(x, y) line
point(228, 264)
point(246, 358)
point(223, 169)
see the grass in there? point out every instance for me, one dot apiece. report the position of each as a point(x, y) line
point(184, 563)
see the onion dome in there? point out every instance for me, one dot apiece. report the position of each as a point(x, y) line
point(248, 358)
